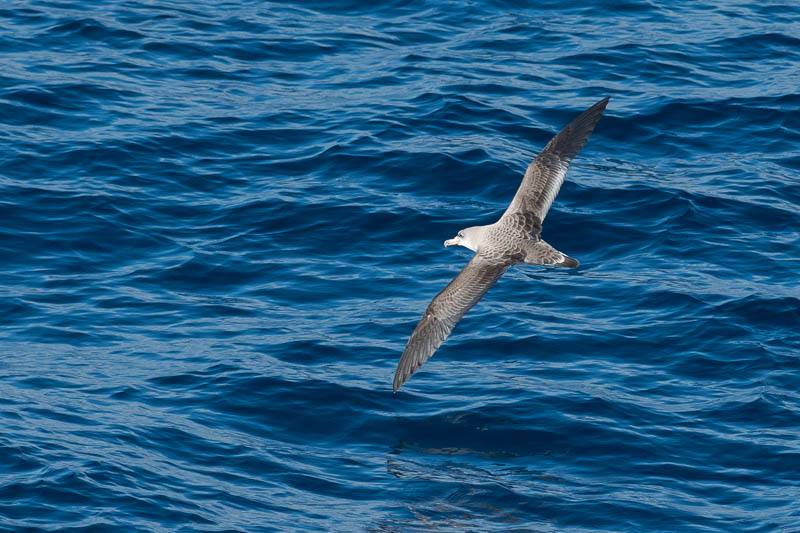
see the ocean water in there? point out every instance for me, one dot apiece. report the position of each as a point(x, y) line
point(220, 222)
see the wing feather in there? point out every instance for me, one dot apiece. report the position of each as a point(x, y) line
point(444, 312)
point(545, 174)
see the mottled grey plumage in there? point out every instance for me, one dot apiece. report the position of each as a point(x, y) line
point(511, 240)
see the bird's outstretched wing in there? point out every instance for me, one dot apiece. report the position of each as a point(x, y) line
point(545, 174)
point(444, 312)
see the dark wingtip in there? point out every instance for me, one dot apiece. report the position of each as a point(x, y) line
point(593, 114)
point(574, 135)
point(398, 381)
point(598, 107)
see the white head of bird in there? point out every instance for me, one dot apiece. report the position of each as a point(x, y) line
point(468, 238)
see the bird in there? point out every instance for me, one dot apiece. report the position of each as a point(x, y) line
point(513, 239)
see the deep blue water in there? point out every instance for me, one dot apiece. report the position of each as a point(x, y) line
point(220, 222)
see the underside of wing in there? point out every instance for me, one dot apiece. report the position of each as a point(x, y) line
point(444, 312)
point(545, 174)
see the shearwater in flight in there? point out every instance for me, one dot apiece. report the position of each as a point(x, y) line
point(512, 240)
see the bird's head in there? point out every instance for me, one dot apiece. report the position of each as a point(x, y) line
point(468, 238)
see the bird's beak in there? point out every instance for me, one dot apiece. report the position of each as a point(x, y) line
point(452, 242)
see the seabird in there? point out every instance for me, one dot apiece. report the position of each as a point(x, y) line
point(514, 239)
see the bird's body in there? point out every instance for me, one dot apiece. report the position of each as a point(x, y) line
point(513, 239)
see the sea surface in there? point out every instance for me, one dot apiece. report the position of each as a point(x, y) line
point(221, 221)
